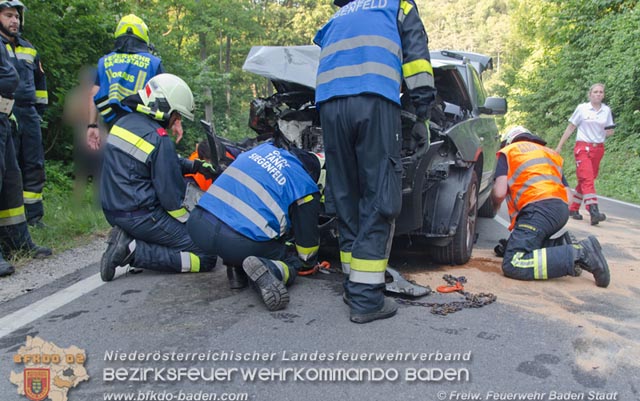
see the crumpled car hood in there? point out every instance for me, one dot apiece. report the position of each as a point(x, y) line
point(295, 64)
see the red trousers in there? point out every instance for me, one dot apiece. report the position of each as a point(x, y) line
point(588, 157)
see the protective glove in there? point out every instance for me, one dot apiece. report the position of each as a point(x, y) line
point(14, 123)
point(420, 136)
point(204, 168)
point(500, 248)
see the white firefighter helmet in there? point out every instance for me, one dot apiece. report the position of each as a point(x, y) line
point(168, 93)
point(513, 133)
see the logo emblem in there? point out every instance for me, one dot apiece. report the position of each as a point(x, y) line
point(36, 383)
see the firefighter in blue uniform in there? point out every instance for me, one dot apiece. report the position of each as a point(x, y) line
point(368, 48)
point(14, 233)
point(29, 107)
point(142, 187)
point(122, 73)
point(250, 211)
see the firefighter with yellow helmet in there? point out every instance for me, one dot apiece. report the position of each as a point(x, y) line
point(120, 74)
point(529, 176)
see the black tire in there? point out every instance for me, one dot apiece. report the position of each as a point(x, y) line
point(487, 209)
point(458, 251)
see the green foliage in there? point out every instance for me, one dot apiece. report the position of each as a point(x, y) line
point(561, 48)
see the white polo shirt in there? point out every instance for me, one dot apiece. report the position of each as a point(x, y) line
point(591, 123)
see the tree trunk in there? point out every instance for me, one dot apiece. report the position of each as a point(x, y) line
point(208, 104)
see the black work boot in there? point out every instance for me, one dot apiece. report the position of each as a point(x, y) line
point(271, 289)
point(575, 214)
point(591, 259)
point(39, 252)
point(237, 278)
point(20, 243)
point(6, 269)
point(117, 253)
point(596, 216)
point(37, 223)
point(389, 308)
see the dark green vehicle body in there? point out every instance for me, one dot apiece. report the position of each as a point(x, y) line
point(445, 190)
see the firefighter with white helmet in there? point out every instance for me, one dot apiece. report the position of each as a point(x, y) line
point(529, 176)
point(142, 186)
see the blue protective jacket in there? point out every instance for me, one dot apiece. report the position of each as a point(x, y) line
point(370, 47)
point(141, 169)
point(32, 90)
point(254, 194)
point(122, 74)
point(8, 76)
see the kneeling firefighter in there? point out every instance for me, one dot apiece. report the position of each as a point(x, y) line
point(142, 187)
point(250, 211)
point(529, 175)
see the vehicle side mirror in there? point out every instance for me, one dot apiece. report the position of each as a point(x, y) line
point(495, 106)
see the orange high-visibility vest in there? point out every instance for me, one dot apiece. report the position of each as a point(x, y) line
point(535, 173)
point(203, 183)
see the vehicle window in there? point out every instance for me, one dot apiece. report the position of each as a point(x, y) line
point(451, 87)
point(479, 93)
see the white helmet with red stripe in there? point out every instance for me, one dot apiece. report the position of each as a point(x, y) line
point(166, 93)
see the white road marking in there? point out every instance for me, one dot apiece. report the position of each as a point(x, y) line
point(36, 310)
point(502, 221)
point(619, 202)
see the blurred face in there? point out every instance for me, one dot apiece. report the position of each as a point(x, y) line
point(10, 20)
point(596, 95)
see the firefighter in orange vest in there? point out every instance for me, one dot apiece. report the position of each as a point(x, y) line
point(529, 175)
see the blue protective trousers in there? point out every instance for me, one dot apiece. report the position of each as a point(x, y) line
point(160, 239)
point(30, 155)
point(362, 138)
point(217, 238)
point(527, 255)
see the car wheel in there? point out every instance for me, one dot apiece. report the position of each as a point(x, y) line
point(487, 209)
point(458, 252)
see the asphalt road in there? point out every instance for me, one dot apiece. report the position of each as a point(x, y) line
point(544, 341)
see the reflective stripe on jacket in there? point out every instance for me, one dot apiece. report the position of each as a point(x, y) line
point(254, 193)
point(534, 173)
point(122, 75)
